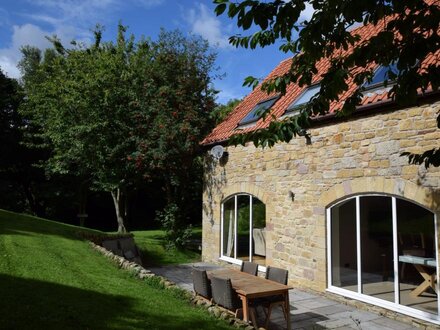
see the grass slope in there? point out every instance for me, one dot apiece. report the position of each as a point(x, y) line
point(152, 245)
point(51, 279)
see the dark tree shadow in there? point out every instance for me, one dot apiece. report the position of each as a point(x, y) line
point(34, 304)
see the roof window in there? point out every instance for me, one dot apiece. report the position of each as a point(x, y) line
point(303, 99)
point(255, 114)
point(380, 75)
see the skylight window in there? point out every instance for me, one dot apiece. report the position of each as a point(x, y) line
point(380, 75)
point(303, 99)
point(257, 111)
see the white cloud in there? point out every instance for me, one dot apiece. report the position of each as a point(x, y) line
point(226, 94)
point(9, 66)
point(32, 35)
point(204, 23)
point(4, 17)
point(27, 34)
point(67, 19)
point(77, 12)
point(149, 3)
point(83, 13)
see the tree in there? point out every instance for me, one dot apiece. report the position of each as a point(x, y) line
point(221, 111)
point(20, 180)
point(173, 114)
point(409, 33)
point(117, 115)
point(80, 98)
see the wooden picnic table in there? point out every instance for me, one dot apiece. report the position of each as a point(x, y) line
point(249, 287)
point(424, 266)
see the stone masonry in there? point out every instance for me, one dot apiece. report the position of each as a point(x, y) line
point(298, 182)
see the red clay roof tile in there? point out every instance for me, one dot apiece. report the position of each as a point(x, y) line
point(229, 126)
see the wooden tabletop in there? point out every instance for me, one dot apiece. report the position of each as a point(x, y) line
point(430, 262)
point(249, 285)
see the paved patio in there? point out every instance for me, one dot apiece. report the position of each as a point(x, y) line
point(308, 311)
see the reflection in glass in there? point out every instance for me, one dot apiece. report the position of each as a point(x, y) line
point(343, 238)
point(417, 258)
point(228, 227)
point(243, 219)
point(258, 232)
point(244, 229)
point(377, 247)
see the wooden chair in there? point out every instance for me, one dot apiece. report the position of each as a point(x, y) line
point(224, 295)
point(277, 275)
point(249, 267)
point(202, 284)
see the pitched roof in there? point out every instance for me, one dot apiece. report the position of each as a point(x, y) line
point(227, 128)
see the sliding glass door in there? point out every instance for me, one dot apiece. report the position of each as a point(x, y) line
point(382, 250)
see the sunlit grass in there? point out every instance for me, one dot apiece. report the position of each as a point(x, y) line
point(153, 248)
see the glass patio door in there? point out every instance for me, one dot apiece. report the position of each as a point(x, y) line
point(243, 227)
point(382, 250)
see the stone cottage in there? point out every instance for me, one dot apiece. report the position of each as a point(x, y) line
point(343, 211)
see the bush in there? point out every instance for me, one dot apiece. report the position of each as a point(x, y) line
point(177, 234)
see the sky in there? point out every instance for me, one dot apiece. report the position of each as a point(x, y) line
point(27, 22)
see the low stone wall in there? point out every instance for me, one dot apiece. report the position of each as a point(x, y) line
point(143, 273)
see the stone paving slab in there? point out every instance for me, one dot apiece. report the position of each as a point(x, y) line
point(307, 310)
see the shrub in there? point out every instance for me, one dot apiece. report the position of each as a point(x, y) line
point(177, 234)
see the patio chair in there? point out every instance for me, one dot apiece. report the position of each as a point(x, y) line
point(113, 246)
point(277, 275)
point(130, 250)
point(249, 267)
point(224, 295)
point(202, 285)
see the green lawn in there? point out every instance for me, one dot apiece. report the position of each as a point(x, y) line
point(152, 246)
point(52, 279)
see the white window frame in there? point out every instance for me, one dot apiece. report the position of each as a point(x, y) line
point(395, 306)
point(251, 225)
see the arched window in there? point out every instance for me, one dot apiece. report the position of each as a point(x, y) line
point(243, 235)
point(382, 249)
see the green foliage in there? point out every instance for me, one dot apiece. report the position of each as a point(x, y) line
point(80, 100)
point(123, 113)
point(172, 114)
point(22, 185)
point(410, 34)
point(221, 111)
point(258, 217)
point(429, 157)
point(177, 234)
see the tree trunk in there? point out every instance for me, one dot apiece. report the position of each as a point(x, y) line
point(118, 200)
point(35, 207)
point(82, 215)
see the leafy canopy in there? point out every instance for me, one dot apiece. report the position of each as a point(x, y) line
point(119, 114)
point(409, 33)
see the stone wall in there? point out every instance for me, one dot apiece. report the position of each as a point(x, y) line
point(360, 155)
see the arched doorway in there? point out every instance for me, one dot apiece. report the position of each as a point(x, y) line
point(243, 233)
point(382, 249)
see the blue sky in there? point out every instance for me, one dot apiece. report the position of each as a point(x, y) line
point(29, 21)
